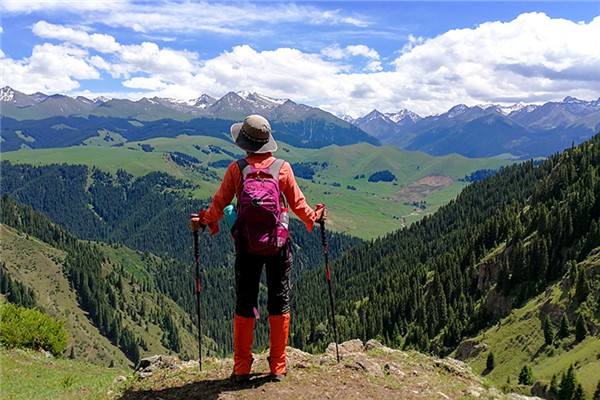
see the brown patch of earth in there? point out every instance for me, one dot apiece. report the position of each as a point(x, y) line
point(423, 187)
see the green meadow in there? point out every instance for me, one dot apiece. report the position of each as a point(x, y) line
point(366, 209)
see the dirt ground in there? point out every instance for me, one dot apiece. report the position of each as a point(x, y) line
point(378, 373)
point(423, 187)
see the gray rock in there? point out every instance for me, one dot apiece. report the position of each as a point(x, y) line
point(361, 362)
point(150, 364)
point(393, 369)
point(351, 346)
point(373, 344)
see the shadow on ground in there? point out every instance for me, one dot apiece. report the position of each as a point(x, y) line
point(206, 389)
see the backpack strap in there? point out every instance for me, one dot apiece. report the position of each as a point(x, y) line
point(244, 168)
point(274, 168)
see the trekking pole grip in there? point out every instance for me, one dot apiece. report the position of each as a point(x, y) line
point(196, 247)
point(322, 224)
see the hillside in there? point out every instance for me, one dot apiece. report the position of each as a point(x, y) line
point(420, 287)
point(519, 338)
point(114, 297)
point(335, 175)
point(27, 374)
point(140, 307)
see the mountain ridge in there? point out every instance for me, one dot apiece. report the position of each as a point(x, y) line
point(519, 131)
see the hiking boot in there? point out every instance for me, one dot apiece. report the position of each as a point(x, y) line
point(277, 377)
point(287, 365)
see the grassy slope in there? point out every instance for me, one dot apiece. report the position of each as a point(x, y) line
point(371, 210)
point(518, 340)
point(35, 263)
point(49, 378)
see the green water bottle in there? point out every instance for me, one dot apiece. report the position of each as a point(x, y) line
point(230, 215)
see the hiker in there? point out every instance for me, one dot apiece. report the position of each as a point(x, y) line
point(255, 249)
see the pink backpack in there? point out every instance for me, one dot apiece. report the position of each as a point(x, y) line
point(258, 229)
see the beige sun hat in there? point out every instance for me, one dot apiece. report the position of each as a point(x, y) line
point(254, 135)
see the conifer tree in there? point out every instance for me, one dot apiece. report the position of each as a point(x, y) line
point(490, 363)
point(564, 327)
point(525, 376)
point(597, 392)
point(582, 288)
point(554, 388)
point(548, 330)
point(580, 328)
point(579, 393)
point(568, 384)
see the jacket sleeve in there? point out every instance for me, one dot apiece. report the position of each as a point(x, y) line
point(294, 196)
point(221, 199)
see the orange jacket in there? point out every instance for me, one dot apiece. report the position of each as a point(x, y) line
point(232, 186)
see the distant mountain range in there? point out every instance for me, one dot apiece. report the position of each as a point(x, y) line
point(232, 106)
point(519, 131)
point(34, 120)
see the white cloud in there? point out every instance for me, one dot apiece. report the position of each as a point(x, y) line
point(150, 58)
point(533, 58)
point(50, 68)
point(362, 50)
point(31, 6)
point(336, 52)
point(374, 66)
point(145, 83)
point(100, 42)
point(242, 18)
point(115, 70)
point(280, 73)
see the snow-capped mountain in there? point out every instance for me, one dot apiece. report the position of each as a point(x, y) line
point(403, 116)
point(259, 101)
point(520, 130)
point(18, 99)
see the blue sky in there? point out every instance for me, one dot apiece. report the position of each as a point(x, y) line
point(345, 57)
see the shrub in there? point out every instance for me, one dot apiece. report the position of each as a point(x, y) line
point(382, 176)
point(24, 328)
point(525, 376)
point(490, 363)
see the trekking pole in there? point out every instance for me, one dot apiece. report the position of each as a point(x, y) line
point(197, 258)
point(324, 241)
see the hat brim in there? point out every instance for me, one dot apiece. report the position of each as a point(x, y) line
point(247, 145)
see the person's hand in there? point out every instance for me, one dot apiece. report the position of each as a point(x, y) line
point(321, 213)
point(196, 221)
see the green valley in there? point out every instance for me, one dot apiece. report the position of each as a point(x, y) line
point(337, 175)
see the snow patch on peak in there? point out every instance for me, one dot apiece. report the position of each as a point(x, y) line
point(457, 110)
point(260, 100)
point(402, 115)
point(7, 94)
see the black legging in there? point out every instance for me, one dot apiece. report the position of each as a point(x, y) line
point(248, 268)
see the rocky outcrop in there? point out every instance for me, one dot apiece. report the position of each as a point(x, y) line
point(368, 370)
